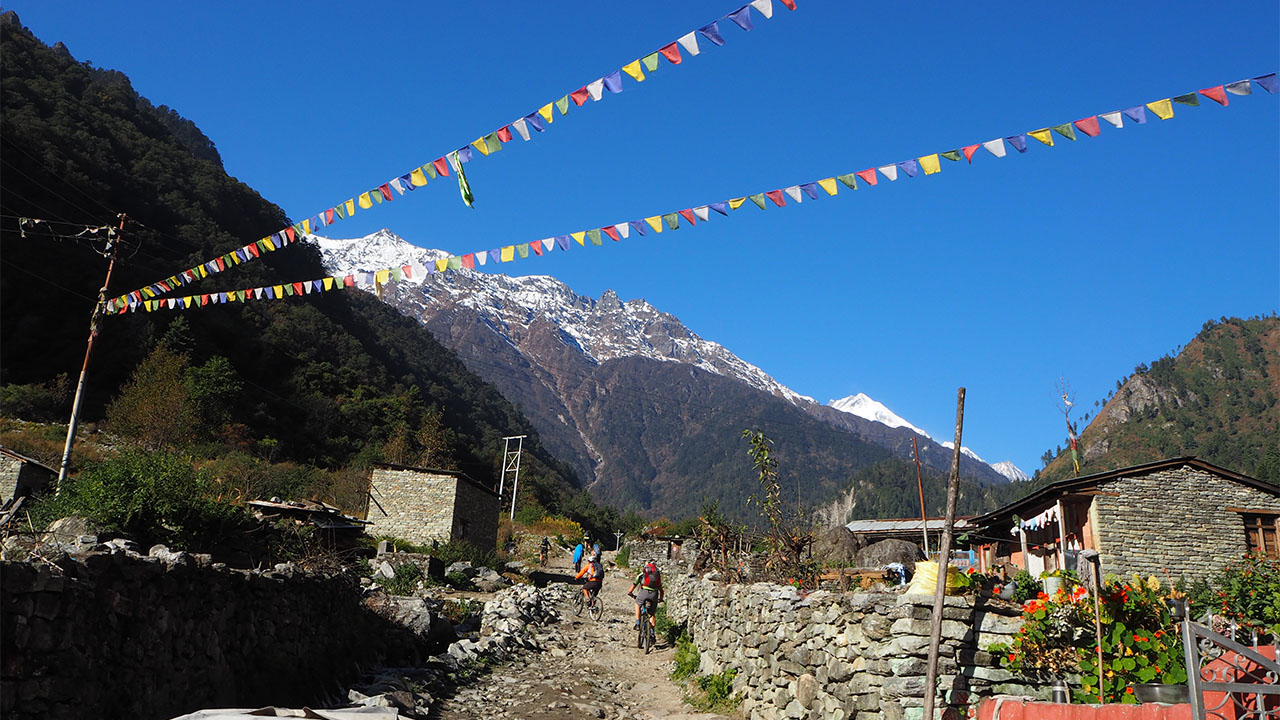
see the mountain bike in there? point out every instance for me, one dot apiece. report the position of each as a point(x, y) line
point(645, 636)
point(542, 558)
point(594, 606)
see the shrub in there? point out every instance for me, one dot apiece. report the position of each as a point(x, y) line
point(623, 558)
point(1247, 591)
point(404, 581)
point(463, 551)
point(564, 530)
point(1025, 586)
point(717, 692)
point(687, 659)
point(664, 626)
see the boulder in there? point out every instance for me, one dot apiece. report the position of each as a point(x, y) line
point(877, 555)
point(838, 546)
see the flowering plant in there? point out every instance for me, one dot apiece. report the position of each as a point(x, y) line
point(1139, 642)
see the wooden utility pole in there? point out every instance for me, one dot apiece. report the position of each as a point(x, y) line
point(944, 563)
point(924, 519)
point(98, 311)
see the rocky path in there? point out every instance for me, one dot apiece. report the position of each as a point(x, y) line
point(588, 670)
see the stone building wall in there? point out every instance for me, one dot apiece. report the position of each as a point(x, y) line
point(657, 552)
point(841, 656)
point(117, 635)
point(475, 515)
point(411, 505)
point(10, 467)
point(1174, 520)
point(18, 477)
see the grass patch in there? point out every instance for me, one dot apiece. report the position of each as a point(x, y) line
point(687, 659)
point(623, 558)
point(714, 693)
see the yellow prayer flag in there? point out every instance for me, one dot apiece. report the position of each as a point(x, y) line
point(418, 178)
point(509, 253)
point(328, 284)
point(829, 185)
point(633, 69)
point(736, 203)
point(279, 291)
point(1043, 136)
point(201, 271)
point(442, 264)
point(481, 146)
point(579, 236)
point(1162, 108)
point(655, 222)
point(186, 301)
point(148, 304)
point(545, 112)
point(930, 164)
point(382, 276)
point(351, 207)
point(365, 202)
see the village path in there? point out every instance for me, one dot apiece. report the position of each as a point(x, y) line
point(588, 670)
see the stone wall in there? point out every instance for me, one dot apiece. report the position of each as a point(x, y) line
point(475, 515)
point(657, 551)
point(832, 655)
point(116, 635)
point(22, 478)
point(1174, 520)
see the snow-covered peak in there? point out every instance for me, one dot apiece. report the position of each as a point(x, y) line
point(381, 250)
point(963, 450)
point(1011, 471)
point(865, 407)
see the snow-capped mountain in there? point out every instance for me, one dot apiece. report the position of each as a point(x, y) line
point(625, 393)
point(1011, 471)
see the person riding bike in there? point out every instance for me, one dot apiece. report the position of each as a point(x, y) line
point(649, 582)
point(594, 572)
point(544, 551)
point(577, 556)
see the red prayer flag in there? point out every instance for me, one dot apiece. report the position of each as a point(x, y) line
point(222, 266)
point(289, 231)
point(1216, 94)
point(791, 4)
point(297, 288)
point(408, 271)
point(536, 247)
point(204, 300)
point(672, 53)
point(612, 232)
point(968, 152)
point(164, 285)
point(328, 216)
point(504, 133)
point(579, 96)
point(776, 197)
point(688, 215)
point(469, 261)
point(442, 166)
point(349, 281)
point(253, 250)
point(385, 189)
point(868, 175)
point(1088, 126)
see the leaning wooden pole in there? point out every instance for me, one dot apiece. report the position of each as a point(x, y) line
point(944, 563)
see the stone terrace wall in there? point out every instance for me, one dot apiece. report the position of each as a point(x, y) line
point(831, 655)
point(118, 635)
point(1175, 520)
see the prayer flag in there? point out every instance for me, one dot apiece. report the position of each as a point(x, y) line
point(633, 69)
point(563, 105)
point(650, 61)
point(328, 283)
point(791, 4)
point(776, 197)
point(655, 222)
point(548, 245)
point(508, 253)
point(850, 180)
point(1088, 126)
point(442, 264)
point(671, 52)
point(430, 170)
point(909, 167)
point(418, 178)
point(1217, 94)
point(365, 202)
point(829, 184)
point(1239, 87)
point(613, 81)
point(579, 96)
point(494, 142)
point(1043, 136)
point(1162, 109)
point(623, 229)
point(953, 155)
point(522, 128)
point(1019, 142)
point(712, 33)
point(1188, 99)
point(736, 203)
point(1268, 83)
point(638, 226)
point(579, 237)
point(534, 119)
point(504, 133)
point(469, 261)
point(594, 236)
point(689, 41)
point(742, 17)
point(442, 166)
point(536, 247)
point(611, 232)
point(758, 199)
point(384, 188)
point(889, 171)
point(1066, 130)
point(764, 6)
point(868, 175)
point(523, 250)
point(688, 215)
point(351, 207)
point(495, 255)
point(1115, 118)
point(563, 242)
point(546, 113)
point(455, 262)
point(672, 220)
point(930, 164)
point(480, 145)
point(793, 192)
point(595, 88)
point(702, 213)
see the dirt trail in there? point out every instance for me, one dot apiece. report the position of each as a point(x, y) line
point(589, 670)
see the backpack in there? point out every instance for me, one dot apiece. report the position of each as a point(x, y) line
point(652, 580)
point(594, 571)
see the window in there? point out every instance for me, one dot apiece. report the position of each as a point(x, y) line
point(1260, 534)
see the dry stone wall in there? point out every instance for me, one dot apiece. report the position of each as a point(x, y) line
point(844, 656)
point(119, 635)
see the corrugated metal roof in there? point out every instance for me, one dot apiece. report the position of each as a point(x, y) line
point(901, 525)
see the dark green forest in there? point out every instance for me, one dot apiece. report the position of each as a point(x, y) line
point(332, 381)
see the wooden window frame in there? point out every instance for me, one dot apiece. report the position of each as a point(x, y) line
point(1261, 531)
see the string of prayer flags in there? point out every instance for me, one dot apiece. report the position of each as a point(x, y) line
point(148, 298)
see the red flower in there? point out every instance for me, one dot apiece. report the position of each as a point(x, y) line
point(1011, 657)
point(1128, 691)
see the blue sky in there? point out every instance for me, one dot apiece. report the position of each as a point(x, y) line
point(1077, 261)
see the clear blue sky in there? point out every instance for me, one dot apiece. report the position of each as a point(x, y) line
point(1080, 260)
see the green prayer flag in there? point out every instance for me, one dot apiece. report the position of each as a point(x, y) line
point(1188, 99)
point(492, 142)
point(397, 274)
point(1065, 130)
point(262, 245)
point(650, 62)
point(594, 236)
point(455, 262)
point(850, 181)
point(953, 155)
point(672, 220)
point(563, 105)
point(464, 187)
point(339, 211)
point(523, 250)
point(758, 199)
point(430, 170)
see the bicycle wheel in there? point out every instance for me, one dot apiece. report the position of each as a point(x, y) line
point(644, 621)
point(596, 611)
point(647, 629)
point(577, 604)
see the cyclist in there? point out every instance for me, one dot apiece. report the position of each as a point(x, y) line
point(649, 582)
point(594, 572)
point(545, 550)
point(577, 556)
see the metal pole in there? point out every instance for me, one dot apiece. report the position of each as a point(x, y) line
point(84, 369)
point(924, 519)
point(939, 595)
point(515, 483)
point(617, 541)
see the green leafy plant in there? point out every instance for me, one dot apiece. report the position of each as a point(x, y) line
point(404, 580)
point(1247, 591)
point(716, 693)
point(1025, 586)
point(623, 558)
point(687, 658)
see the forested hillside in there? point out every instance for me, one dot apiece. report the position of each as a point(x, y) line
point(1217, 399)
point(333, 380)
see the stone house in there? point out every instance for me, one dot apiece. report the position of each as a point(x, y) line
point(21, 476)
point(1180, 518)
point(424, 505)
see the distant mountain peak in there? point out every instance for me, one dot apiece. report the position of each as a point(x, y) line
point(864, 407)
point(1011, 471)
